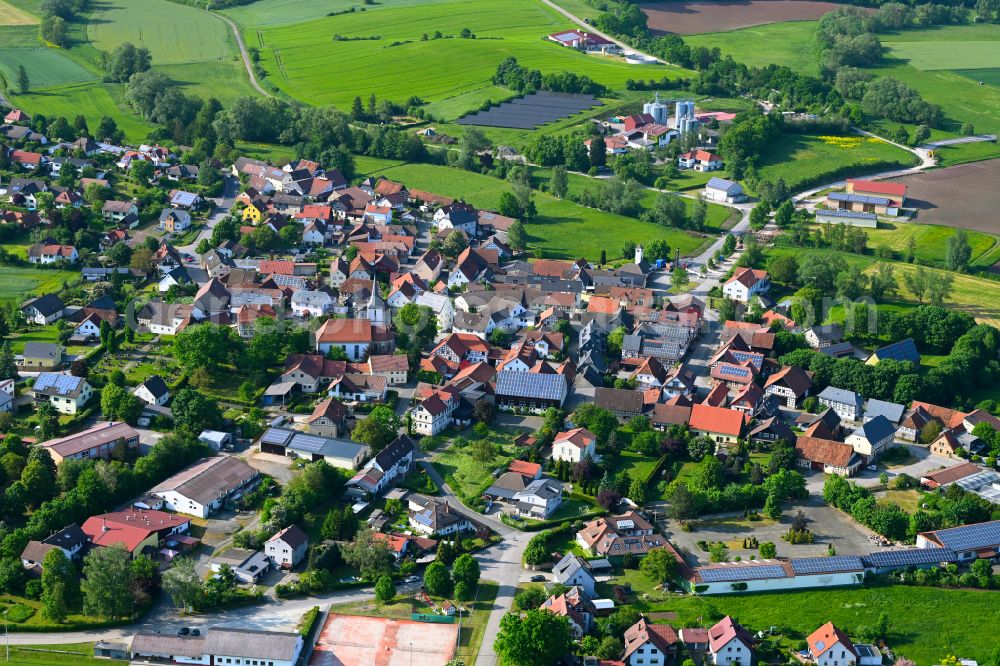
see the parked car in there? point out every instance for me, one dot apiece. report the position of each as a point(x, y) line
point(183, 631)
point(411, 579)
point(538, 578)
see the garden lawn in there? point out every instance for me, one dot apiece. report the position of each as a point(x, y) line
point(803, 160)
point(54, 655)
point(908, 500)
point(172, 32)
point(465, 475)
point(303, 58)
point(562, 228)
point(38, 622)
point(19, 283)
point(926, 624)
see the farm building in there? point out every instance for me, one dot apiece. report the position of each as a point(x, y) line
point(894, 191)
point(294, 444)
point(861, 203)
point(584, 41)
point(777, 574)
point(204, 487)
point(968, 541)
point(724, 191)
point(849, 217)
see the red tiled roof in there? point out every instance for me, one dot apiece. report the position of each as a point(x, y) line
point(717, 419)
point(877, 187)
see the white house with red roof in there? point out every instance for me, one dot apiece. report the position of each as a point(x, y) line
point(575, 445)
point(745, 284)
point(699, 160)
point(721, 425)
point(730, 644)
point(648, 644)
point(829, 646)
point(584, 41)
point(434, 413)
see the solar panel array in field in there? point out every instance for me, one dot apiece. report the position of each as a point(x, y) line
point(532, 110)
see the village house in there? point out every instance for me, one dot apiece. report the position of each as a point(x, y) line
point(575, 445)
point(847, 404)
point(70, 540)
point(721, 425)
point(153, 391)
point(790, 385)
point(43, 310)
point(40, 356)
point(68, 394)
point(434, 413)
point(745, 284)
point(721, 190)
point(699, 160)
point(872, 438)
point(826, 455)
point(648, 644)
point(389, 464)
point(287, 548)
point(616, 536)
point(51, 253)
point(138, 531)
point(730, 644)
point(829, 646)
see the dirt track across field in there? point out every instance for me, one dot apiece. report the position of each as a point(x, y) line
point(964, 196)
point(691, 18)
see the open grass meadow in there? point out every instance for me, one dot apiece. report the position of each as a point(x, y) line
point(931, 241)
point(927, 624)
point(565, 230)
point(803, 160)
point(970, 294)
point(383, 50)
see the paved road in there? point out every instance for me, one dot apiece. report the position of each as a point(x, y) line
point(223, 204)
point(500, 563)
point(243, 53)
point(962, 139)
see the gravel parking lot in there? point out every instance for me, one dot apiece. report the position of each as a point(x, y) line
point(828, 525)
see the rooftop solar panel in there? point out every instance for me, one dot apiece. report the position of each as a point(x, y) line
point(971, 537)
point(276, 436)
point(308, 443)
point(909, 557)
point(531, 385)
point(848, 214)
point(748, 572)
point(816, 565)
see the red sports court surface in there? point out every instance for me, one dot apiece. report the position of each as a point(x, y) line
point(353, 640)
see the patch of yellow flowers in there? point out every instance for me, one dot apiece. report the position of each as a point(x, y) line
point(845, 142)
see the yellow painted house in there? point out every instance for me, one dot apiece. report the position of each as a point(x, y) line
point(254, 212)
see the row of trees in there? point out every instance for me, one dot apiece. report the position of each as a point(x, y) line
point(510, 74)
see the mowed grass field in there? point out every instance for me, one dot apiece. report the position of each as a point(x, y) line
point(971, 294)
point(803, 159)
point(563, 229)
point(173, 33)
point(11, 15)
point(931, 241)
point(303, 59)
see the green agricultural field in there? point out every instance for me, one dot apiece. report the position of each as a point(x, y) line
point(970, 294)
point(804, 160)
point(988, 76)
point(281, 12)
point(173, 33)
point(19, 36)
point(303, 59)
point(45, 66)
point(935, 55)
point(92, 99)
point(926, 624)
point(17, 283)
point(226, 80)
point(563, 229)
point(455, 107)
point(790, 44)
